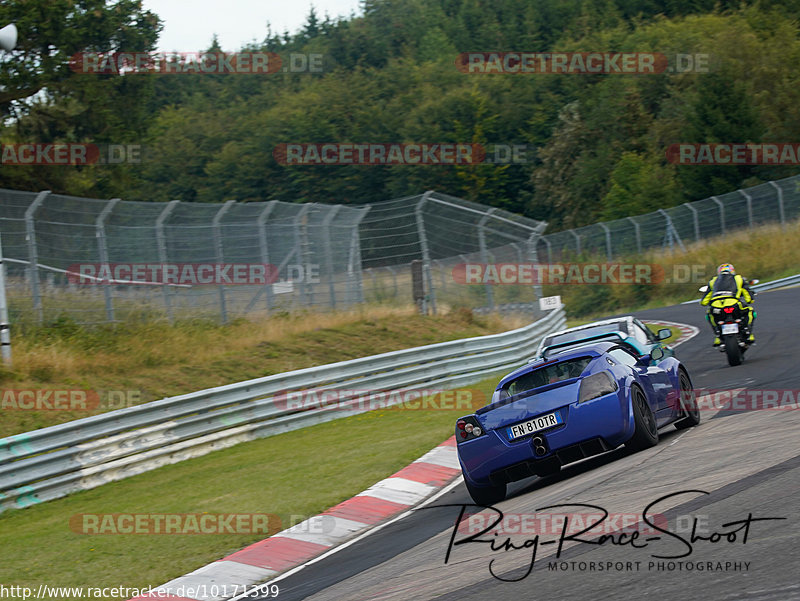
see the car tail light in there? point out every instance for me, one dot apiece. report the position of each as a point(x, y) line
point(468, 428)
point(595, 386)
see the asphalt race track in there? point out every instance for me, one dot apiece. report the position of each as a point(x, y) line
point(749, 462)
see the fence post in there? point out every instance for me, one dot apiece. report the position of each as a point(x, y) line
point(30, 237)
point(520, 254)
point(671, 234)
point(395, 288)
point(442, 274)
point(102, 249)
point(261, 222)
point(301, 246)
point(326, 241)
point(637, 234)
point(219, 254)
point(549, 249)
point(721, 213)
point(577, 241)
point(356, 287)
point(695, 220)
point(354, 260)
point(485, 255)
point(782, 215)
point(533, 256)
point(609, 253)
point(161, 244)
point(5, 325)
point(423, 244)
point(749, 200)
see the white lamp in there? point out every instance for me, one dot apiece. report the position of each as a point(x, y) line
point(8, 37)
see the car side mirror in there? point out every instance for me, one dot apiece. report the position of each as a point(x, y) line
point(703, 288)
point(664, 333)
point(657, 354)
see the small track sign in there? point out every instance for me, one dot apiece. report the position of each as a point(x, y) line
point(549, 302)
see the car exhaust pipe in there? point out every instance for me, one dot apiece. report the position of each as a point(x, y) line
point(539, 447)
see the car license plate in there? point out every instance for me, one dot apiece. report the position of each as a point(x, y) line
point(730, 328)
point(534, 425)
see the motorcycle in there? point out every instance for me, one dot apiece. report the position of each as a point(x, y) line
point(730, 322)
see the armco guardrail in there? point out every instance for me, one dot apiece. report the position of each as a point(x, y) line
point(55, 461)
point(792, 280)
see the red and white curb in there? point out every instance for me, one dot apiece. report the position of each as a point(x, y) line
point(687, 331)
point(254, 565)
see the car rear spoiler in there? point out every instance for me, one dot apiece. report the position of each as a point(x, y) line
point(580, 341)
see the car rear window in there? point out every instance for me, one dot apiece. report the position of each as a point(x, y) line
point(586, 332)
point(548, 374)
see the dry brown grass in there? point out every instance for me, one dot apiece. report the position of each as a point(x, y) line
point(766, 253)
point(158, 360)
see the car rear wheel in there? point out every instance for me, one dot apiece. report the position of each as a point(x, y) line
point(688, 403)
point(486, 495)
point(645, 434)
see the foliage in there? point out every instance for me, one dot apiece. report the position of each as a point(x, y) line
point(389, 75)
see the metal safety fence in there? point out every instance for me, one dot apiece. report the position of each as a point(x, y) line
point(111, 260)
point(772, 202)
point(224, 260)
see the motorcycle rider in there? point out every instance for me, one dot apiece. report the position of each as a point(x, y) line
point(727, 284)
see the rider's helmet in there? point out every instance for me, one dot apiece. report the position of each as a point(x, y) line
point(726, 268)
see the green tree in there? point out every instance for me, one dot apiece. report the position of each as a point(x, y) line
point(44, 100)
point(51, 32)
point(721, 112)
point(639, 183)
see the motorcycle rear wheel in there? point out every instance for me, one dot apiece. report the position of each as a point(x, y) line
point(732, 349)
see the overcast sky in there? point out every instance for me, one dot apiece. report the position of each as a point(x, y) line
point(189, 26)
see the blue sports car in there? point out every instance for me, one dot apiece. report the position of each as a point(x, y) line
point(575, 404)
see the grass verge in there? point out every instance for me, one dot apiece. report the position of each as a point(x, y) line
point(146, 362)
point(282, 475)
point(767, 252)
